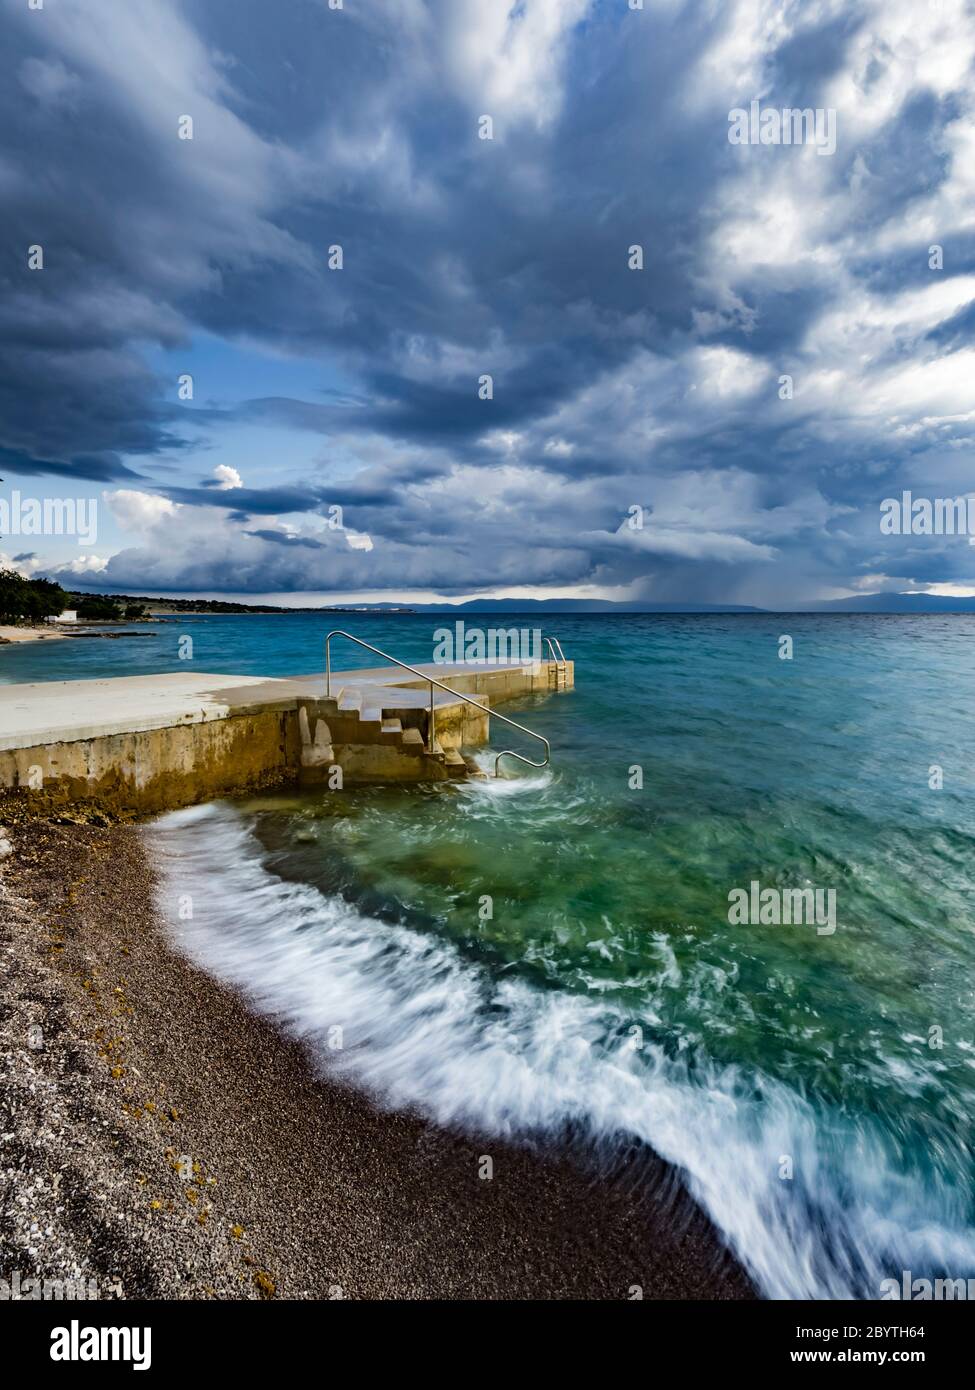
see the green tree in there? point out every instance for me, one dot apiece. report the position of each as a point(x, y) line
point(99, 607)
point(12, 596)
point(29, 600)
point(45, 599)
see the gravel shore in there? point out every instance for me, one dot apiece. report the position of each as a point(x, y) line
point(160, 1139)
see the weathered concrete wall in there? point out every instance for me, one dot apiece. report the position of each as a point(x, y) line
point(159, 769)
point(378, 763)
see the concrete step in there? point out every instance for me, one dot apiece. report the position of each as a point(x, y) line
point(438, 751)
point(455, 765)
point(412, 738)
point(350, 699)
point(392, 726)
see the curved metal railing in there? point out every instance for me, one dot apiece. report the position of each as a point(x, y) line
point(558, 661)
point(458, 694)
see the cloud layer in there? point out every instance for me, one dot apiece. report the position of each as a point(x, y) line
point(660, 389)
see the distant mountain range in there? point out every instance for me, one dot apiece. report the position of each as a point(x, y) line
point(571, 605)
point(894, 603)
point(862, 603)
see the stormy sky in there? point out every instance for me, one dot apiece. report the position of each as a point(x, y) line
point(337, 444)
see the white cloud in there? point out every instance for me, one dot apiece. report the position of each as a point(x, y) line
point(139, 511)
point(727, 373)
point(502, 441)
point(506, 59)
point(84, 565)
point(227, 477)
point(24, 567)
point(693, 544)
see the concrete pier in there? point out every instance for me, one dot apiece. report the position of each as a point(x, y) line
point(151, 743)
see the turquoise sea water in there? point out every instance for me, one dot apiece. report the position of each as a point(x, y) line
point(816, 1089)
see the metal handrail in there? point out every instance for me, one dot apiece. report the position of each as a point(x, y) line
point(505, 753)
point(559, 661)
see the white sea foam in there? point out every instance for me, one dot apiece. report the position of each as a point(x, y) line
point(422, 1026)
point(513, 781)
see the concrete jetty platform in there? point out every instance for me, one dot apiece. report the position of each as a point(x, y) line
point(151, 743)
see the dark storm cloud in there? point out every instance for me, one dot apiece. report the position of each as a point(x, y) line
point(249, 501)
point(280, 538)
point(105, 468)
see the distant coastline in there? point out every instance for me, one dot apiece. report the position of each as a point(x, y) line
point(14, 636)
point(888, 602)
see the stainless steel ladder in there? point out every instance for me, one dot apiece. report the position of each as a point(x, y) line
point(558, 669)
point(457, 694)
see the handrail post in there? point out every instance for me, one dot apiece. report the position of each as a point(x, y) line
point(433, 732)
point(328, 667)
